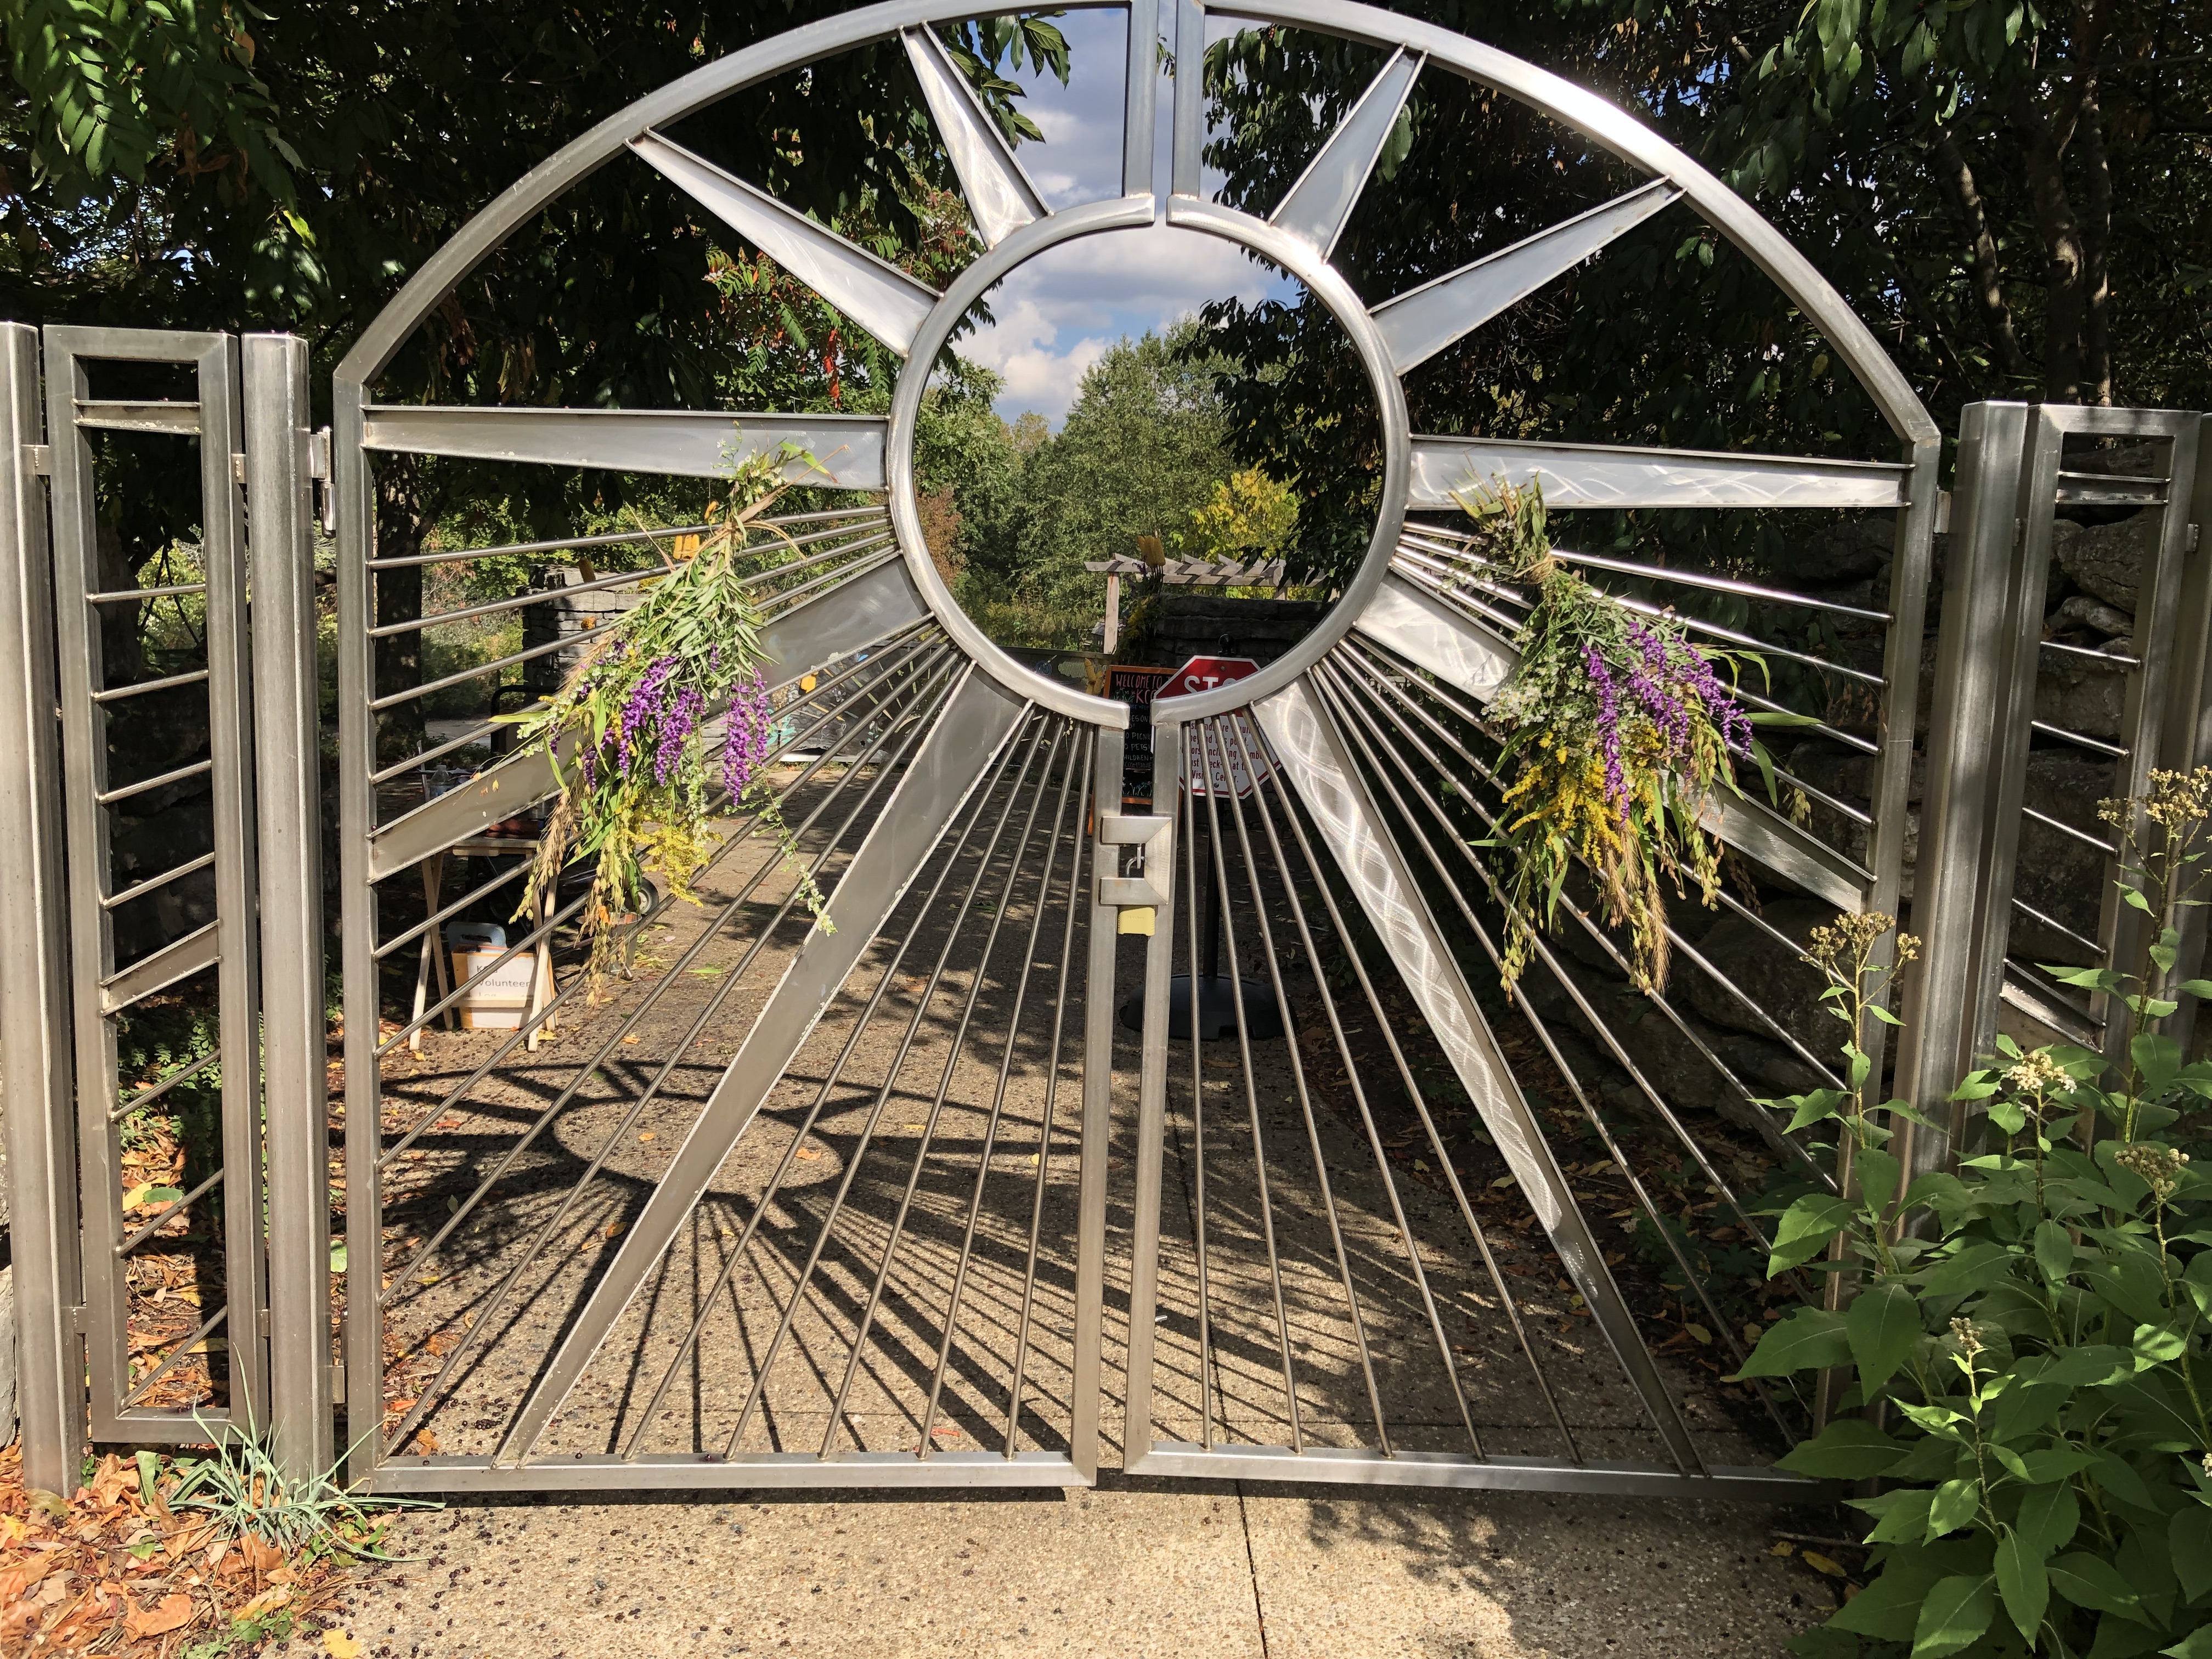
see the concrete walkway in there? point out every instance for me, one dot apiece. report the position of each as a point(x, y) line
point(1135, 1568)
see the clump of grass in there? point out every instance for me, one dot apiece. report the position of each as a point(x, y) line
point(243, 1491)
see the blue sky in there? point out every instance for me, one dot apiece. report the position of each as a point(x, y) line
point(1060, 313)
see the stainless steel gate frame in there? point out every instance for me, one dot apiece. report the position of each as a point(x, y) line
point(2013, 477)
point(102, 988)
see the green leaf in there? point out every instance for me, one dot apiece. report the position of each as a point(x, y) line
point(1902, 1515)
point(2158, 1344)
point(1954, 1616)
point(2054, 1251)
point(2157, 1058)
point(1815, 1108)
point(2049, 1517)
point(2190, 1542)
point(2196, 988)
point(2094, 979)
point(1888, 1609)
point(1968, 1268)
point(1849, 1449)
point(1877, 1173)
point(1953, 1505)
point(2086, 1366)
point(1883, 1323)
point(2055, 1463)
point(2090, 1581)
point(1807, 1227)
point(2197, 1644)
point(2023, 1583)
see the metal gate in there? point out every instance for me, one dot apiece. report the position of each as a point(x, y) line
point(135, 1028)
point(1988, 948)
point(827, 1205)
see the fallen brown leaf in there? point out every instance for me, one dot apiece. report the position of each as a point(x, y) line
point(170, 1613)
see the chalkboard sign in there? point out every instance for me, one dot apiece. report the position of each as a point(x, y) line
point(1137, 687)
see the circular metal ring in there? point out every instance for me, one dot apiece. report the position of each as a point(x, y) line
point(1295, 257)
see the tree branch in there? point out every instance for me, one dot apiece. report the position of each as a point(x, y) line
point(1957, 179)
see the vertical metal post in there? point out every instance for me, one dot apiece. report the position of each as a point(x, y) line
point(36, 1070)
point(1151, 1110)
point(279, 512)
point(1098, 992)
point(352, 489)
point(1140, 97)
point(2186, 739)
point(1950, 895)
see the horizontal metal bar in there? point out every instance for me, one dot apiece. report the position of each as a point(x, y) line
point(708, 1471)
point(2060, 928)
point(129, 414)
point(461, 903)
point(146, 1097)
point(180, 959)
point(169, 1213)
point(117, 694)
point(536, 596)
point(131, 595)
point(2113, 659)
point(378, 705)
point(1825, 798)
point(689, 442)
point(152, 882)
point(2082, 835)
point(474, 734)
point(1818, 727)
point(1610, 475)
point(1752, 641)
point(1179, 1460)
point(176, 776)
point(1717, 584)
point(2099, 490)
point(2078, 738)
point(613, 538)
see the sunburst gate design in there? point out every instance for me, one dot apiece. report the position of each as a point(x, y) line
point(869, 1246)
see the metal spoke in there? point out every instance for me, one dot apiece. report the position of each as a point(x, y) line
point(1076, 898)
point(952, 1053)
point(981, 798)
point(978, 720)
point(1606, 476)
point(874, 292)
point(1001, 197)
point(1297, 739)
point(1319, 204)
point(1079, 762)
point(1421, 322)
point(1214, 738)
point(552, 1225)
point(1536, 1023)
point(925, 913)
point(698, 443)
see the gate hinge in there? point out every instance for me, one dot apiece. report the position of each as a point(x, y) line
point(318, 454)
point(1942, 512)
point(40, 459)
point(337, 1385)
point(237, 466)
point(261, 1322)
point(78, 1324)
point(2196, 535)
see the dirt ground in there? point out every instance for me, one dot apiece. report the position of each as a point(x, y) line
point(932, 1144)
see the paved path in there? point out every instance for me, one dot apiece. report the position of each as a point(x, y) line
point(1133, 1569)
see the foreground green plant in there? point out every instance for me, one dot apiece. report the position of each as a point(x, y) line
point(240, 1487)
point(2027, 1340)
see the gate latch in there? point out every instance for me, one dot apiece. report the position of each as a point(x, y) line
point(1138, 897)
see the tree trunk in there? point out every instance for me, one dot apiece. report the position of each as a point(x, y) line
point(1988, 276)
point(2097, 241)
point(2066, 265)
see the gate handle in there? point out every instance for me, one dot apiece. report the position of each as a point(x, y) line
point(1136, 896)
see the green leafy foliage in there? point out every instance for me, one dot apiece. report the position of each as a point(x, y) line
point(2032, 1339)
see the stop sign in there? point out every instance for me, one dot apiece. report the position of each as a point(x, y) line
point(1218, 773)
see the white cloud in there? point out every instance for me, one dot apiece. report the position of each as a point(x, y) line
point(1057, 315)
